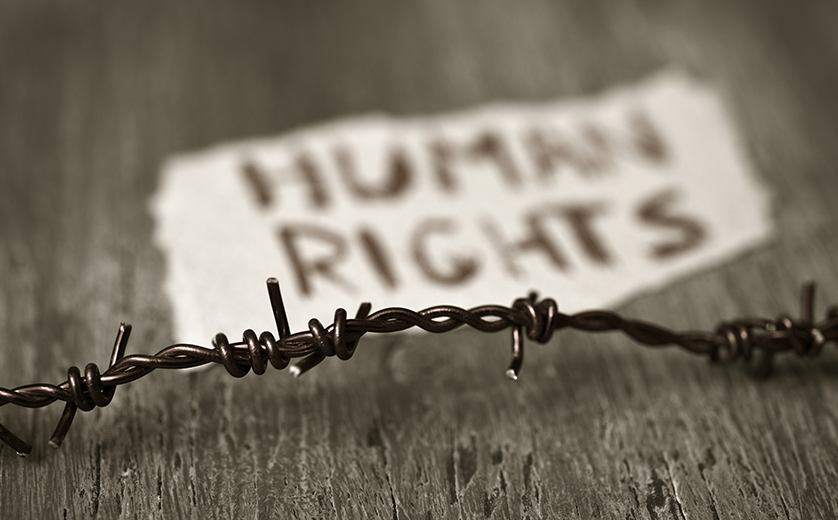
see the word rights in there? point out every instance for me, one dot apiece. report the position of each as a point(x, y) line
point(586, 200)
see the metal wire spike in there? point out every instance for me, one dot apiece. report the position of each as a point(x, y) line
point(537, 320)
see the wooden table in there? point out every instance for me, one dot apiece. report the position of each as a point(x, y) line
point(94, 96)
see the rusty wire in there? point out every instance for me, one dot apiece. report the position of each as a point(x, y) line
point(537, 320)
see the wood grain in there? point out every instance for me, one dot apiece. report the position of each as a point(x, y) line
point(94, 96)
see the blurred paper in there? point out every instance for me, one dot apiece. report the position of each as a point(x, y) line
point(586, 200)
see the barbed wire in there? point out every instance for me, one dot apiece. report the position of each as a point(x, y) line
point(528, 317)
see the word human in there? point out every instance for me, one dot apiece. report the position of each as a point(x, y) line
point(590, 150)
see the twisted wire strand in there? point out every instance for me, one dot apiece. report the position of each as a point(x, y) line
point(528, 317)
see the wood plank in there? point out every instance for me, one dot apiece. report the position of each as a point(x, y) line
point(94, 97)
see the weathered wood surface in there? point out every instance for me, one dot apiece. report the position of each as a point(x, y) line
point(93, 96)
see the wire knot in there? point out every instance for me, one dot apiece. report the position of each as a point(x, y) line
point(86, 391)
point(538, 319)
point(535, 320)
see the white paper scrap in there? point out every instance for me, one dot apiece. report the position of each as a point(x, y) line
point(588, 201)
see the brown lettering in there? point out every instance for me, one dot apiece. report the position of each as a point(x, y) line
point(398, 175)
point(647, 139)
point(538, 239)
point(258, 182)
point(318, 192)
point(580, 218)
point(442, 156)
point(657, 211)
point(305, 269)
point(548, 153)
point(492, 147)
point(599, 157)
point(461, 269)
point(378, 257)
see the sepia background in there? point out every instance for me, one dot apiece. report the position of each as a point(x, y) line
point(94, 96)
